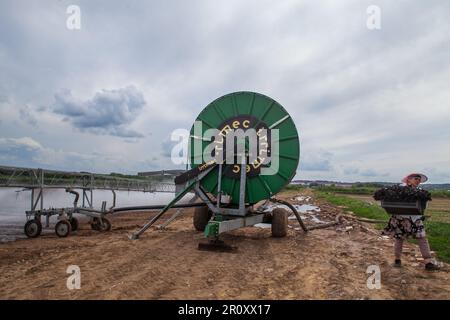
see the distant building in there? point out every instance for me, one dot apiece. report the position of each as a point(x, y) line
point(316, 183)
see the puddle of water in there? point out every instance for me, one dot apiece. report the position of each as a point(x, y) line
point(308, 216)
point(263, 225)
point(302, 198)
point(304, 208)
point(315, 219)
point(307, 211)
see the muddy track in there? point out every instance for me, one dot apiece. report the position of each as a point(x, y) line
point(323, 264)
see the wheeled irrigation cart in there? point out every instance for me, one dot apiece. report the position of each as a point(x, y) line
point(82, 185)
point(66, 221)
point(231, 189)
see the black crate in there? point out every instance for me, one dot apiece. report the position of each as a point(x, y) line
point(406, 208)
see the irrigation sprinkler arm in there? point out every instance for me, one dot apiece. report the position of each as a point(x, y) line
point(77, 196)
point(178, 197)
point(114, 201)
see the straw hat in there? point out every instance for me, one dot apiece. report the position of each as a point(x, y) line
point(423, 178)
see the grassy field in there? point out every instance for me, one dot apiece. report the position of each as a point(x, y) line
point(437, 225)
point(370, 190)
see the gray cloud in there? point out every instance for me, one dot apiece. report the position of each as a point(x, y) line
point(27, 115)
point(351, 171)
point(318, 160)
point(369, 173)
point(167, 146)
point(367, 97)
point(28, 152)
point(108, 112)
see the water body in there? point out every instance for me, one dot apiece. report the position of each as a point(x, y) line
point(306, 211)
point(15, 201)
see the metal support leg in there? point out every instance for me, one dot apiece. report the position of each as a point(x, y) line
point(242, 186)
point(204, 197)
point(41, 193)
point(171, 219)
point(219, 187)
point(92, 194)
point(177, 198)
point(114, 200)
point(32, 199)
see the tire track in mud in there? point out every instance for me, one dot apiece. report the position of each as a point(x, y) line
point(322, 264)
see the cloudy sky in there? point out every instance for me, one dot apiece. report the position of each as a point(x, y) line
point(369, 105)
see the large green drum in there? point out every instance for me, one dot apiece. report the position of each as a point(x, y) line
point(243, 110)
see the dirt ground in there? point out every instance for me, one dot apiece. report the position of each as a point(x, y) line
point(322, 264)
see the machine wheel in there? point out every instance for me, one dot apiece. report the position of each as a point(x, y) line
point(201, 218)
point(62, 228)
point(33, 228)
point(267, 217)
point(279, 223)
point(73, 223)
point(95, 224)
point(102, 226)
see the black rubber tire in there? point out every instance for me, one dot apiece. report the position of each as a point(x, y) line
point(103, 226)
point(202, 215)
point(95, 224)
point(32, 228)
point(279, 223)
point(267, 217)
point(74, 223)
point(63, 228)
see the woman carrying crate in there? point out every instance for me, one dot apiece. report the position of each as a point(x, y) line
point(404, 226)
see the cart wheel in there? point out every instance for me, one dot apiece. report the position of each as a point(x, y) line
point(95, 224)
point(105, 225)
point(62, 228)
point(33, 228)
point(279, 223)
point(202, 215)
point(102, 226)
point(267, 218)
point(73, 223)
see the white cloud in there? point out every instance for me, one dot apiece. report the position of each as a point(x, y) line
point(24, 142)
point(108, 112)
point(367, 98)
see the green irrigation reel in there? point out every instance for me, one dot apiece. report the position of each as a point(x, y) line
point(248, 110)
point(243, 148)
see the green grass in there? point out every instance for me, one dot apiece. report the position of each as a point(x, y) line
point(437, 229)
point(369, 190)
point(365, 189)
point(360, 208)
point(438, 216)
point(439, 237)
point(440, 194)
point(294, 187)
point(352, 190)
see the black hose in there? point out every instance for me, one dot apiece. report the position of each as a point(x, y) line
point(77, 196)
point(157, 206)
